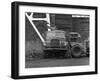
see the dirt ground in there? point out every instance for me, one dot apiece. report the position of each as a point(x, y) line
point(54, 62)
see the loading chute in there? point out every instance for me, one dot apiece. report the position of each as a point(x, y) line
point(31, 18)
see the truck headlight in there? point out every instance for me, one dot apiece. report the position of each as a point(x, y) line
point(65, 43)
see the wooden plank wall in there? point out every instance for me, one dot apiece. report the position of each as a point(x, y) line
point(62, 22)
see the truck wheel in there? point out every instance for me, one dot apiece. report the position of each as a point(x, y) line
point(46, 55)
point(68, 54)
point(76, 50)
point(87, 50)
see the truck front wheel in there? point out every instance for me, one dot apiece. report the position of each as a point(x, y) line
point(76, 50)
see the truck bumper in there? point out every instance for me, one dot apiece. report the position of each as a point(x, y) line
point(54, 53)
point(55, 49)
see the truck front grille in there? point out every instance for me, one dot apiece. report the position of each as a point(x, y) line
point(55, 43)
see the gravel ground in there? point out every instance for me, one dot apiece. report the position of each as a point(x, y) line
point(53, 62)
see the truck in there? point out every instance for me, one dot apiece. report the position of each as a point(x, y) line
point(56, 45)
point(77, 46)
point(60, 45)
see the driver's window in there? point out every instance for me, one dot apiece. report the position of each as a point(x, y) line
point(73, 39)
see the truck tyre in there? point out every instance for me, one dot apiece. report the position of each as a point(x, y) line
point(76, 50)
point(46, 55)
point(68, 54)
point(87, 50)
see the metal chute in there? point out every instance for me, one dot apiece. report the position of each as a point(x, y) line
point(30, 18)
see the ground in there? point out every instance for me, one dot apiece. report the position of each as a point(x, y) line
point(57, 62)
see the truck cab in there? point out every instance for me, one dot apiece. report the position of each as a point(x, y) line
point(77, 46)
